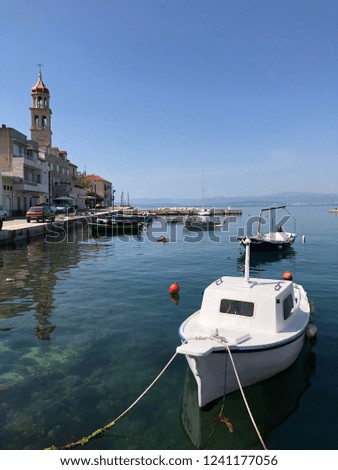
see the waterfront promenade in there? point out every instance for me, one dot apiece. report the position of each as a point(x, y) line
point(17, 230)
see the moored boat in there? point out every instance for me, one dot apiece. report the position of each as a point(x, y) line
point(260, 323)
point(109, 224)
point(276, 239)
point(202, 221)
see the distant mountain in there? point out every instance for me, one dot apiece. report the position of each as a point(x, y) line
point(288, 198)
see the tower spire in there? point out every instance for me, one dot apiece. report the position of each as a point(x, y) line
point(40, 112)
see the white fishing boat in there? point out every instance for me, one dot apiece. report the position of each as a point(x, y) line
point(255, 327)
point(276, 239)
point(202, 221)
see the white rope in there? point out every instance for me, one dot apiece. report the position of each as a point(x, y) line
point(242, 392)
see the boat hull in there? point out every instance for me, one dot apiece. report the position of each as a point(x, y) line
point(200, 226)
point(118, 228)
point(201, 223)
point(215, 376)
point(275, 243)
point(268, 246)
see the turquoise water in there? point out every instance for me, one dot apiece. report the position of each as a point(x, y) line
point(86, 325)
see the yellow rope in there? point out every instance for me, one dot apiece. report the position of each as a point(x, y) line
point(219, 340)
point(242, 392)
point(86, 439)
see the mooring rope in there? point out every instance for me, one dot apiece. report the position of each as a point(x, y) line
point(226, 346)
point(241, 390)
point(86, 439)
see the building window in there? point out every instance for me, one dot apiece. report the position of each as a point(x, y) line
point(16, 150)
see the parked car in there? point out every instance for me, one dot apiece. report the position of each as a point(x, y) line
point(3, 213)
point(65, 210)
point(40, 213)
point(52, 207)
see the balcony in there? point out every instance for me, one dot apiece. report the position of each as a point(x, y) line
point(29, 186)
point(27, 161)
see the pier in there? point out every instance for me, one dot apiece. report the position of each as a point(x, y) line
point(18, 230)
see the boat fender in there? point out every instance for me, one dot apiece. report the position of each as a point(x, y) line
point(174, 288)
point(303, 239)
point(287, 276)
point(311, 330)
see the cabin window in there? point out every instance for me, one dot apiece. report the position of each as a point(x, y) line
point(287, 306)
point(237, 307)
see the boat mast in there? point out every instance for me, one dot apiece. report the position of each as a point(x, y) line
point(247, 260)
point(203, 191)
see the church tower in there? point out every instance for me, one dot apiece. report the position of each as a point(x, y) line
point(41, 114)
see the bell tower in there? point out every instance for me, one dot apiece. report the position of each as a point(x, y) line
point(41, 113)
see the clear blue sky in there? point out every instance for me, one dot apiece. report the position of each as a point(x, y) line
point(149, 94)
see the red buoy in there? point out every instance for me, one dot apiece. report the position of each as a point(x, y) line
point(287, 276)
point(174, 288)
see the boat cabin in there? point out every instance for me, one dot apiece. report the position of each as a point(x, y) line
point(262, 304)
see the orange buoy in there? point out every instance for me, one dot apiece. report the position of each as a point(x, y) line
point(174, 288)
point(287, 276)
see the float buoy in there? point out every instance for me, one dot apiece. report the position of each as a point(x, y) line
point(287, 276)
point(174, 288)
point(311, 330)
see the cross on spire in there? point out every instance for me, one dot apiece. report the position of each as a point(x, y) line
point(39, 65)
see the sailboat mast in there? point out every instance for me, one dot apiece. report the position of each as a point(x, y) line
point(203, 191)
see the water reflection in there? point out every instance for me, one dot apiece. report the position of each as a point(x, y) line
point(260, 260)
point(272, 401)
point(28, 277)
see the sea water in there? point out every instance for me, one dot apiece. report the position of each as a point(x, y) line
point(87, 324)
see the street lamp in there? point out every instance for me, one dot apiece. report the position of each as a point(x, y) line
point(49, 201)
point(113, 196)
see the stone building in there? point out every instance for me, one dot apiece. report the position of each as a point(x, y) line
point(41, 114)
point(62, 174)
point(98, 190)
point(24, 173)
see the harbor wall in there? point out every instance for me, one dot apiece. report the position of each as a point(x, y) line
point(54, 232)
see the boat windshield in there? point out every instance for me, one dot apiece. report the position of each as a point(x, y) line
point(237, 307)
